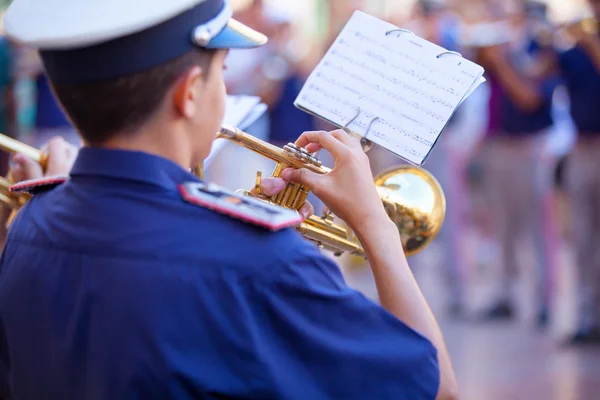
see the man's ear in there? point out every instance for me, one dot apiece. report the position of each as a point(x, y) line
point(187, 90)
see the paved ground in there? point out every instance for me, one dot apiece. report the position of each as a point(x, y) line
point(513, 360)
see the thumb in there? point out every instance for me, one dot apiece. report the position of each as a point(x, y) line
point(25, 169)
point(302, 176)
point(270, 186)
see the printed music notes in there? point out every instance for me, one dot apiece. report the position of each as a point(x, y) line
point(412, 86)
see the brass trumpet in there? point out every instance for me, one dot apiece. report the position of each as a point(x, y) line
point(412, 197)
point(16, 200)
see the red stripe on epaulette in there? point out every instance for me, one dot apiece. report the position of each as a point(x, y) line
point(273, 226)
point(46, 183)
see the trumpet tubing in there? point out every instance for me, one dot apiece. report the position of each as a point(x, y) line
point(11, 145)
point(412, 197)
point(329, 236)
point(5, 196)
point(15, 201)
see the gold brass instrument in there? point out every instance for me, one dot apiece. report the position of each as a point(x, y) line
point(16, 200)
point(588, 25)
point(568, 34)
point(412, 197)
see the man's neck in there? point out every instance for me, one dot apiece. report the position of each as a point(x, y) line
point(164, 141)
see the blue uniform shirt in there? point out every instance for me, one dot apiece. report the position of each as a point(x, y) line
point(583, 84)
point(113, 287)
point(516, 122)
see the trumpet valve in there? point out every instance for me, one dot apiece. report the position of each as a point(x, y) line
point(293, 195)
point(258, 183)
point(302, 154)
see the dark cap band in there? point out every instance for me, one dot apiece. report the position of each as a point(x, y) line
point(133, 53)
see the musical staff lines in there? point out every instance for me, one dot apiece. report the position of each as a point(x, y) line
point(396, 78)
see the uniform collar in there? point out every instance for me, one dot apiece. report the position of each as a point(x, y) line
point(130, 165)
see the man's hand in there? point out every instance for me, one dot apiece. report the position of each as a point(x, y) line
point(350, 193)
point(348, 190)
point(61, 156)
point(272, 186)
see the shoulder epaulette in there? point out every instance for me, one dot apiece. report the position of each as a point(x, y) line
point(244, 208)
point(34, 186)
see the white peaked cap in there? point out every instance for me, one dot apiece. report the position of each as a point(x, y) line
point(90, 40)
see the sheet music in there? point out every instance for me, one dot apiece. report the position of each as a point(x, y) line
point(397, 78)
point(238, 108)
point(241, 112)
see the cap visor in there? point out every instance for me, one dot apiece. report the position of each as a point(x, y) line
point(236, 35)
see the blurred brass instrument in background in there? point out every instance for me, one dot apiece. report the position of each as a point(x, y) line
point(588, 25)
point(568, 34)
point(412, 197)
point(16, 200)
point(585, 25)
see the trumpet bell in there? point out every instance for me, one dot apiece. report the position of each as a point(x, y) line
point(415, 202)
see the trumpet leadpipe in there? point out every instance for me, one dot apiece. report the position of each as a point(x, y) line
point(293, 157)
point(5, 184)
point(329, 240)
point(10, 202)
point(11, 145)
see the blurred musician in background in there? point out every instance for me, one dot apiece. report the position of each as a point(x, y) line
point(519, 169)
point(579, 63)
point(50, 120)
point(434, 21)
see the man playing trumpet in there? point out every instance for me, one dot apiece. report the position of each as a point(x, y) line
point(518, 167)
point(579, 65)
point(134, 279)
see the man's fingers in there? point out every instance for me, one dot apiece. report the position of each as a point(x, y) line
point(306, 210)
point(270, 186)
point(324, 140)
point(17, 173)
point(24, 168)
point(346, 138)
point(61, 156)
point(313, 147)
point(302, 176)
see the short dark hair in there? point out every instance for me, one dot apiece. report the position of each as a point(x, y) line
point(100, 110)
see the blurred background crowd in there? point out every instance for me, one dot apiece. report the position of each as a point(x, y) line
point(514, 275)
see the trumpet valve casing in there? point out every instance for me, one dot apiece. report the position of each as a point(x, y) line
point(411, 196)
point(294, 194)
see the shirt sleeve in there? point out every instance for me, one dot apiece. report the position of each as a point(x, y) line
point(323, 340)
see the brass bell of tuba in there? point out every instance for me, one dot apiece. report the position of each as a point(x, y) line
point(412, 197)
